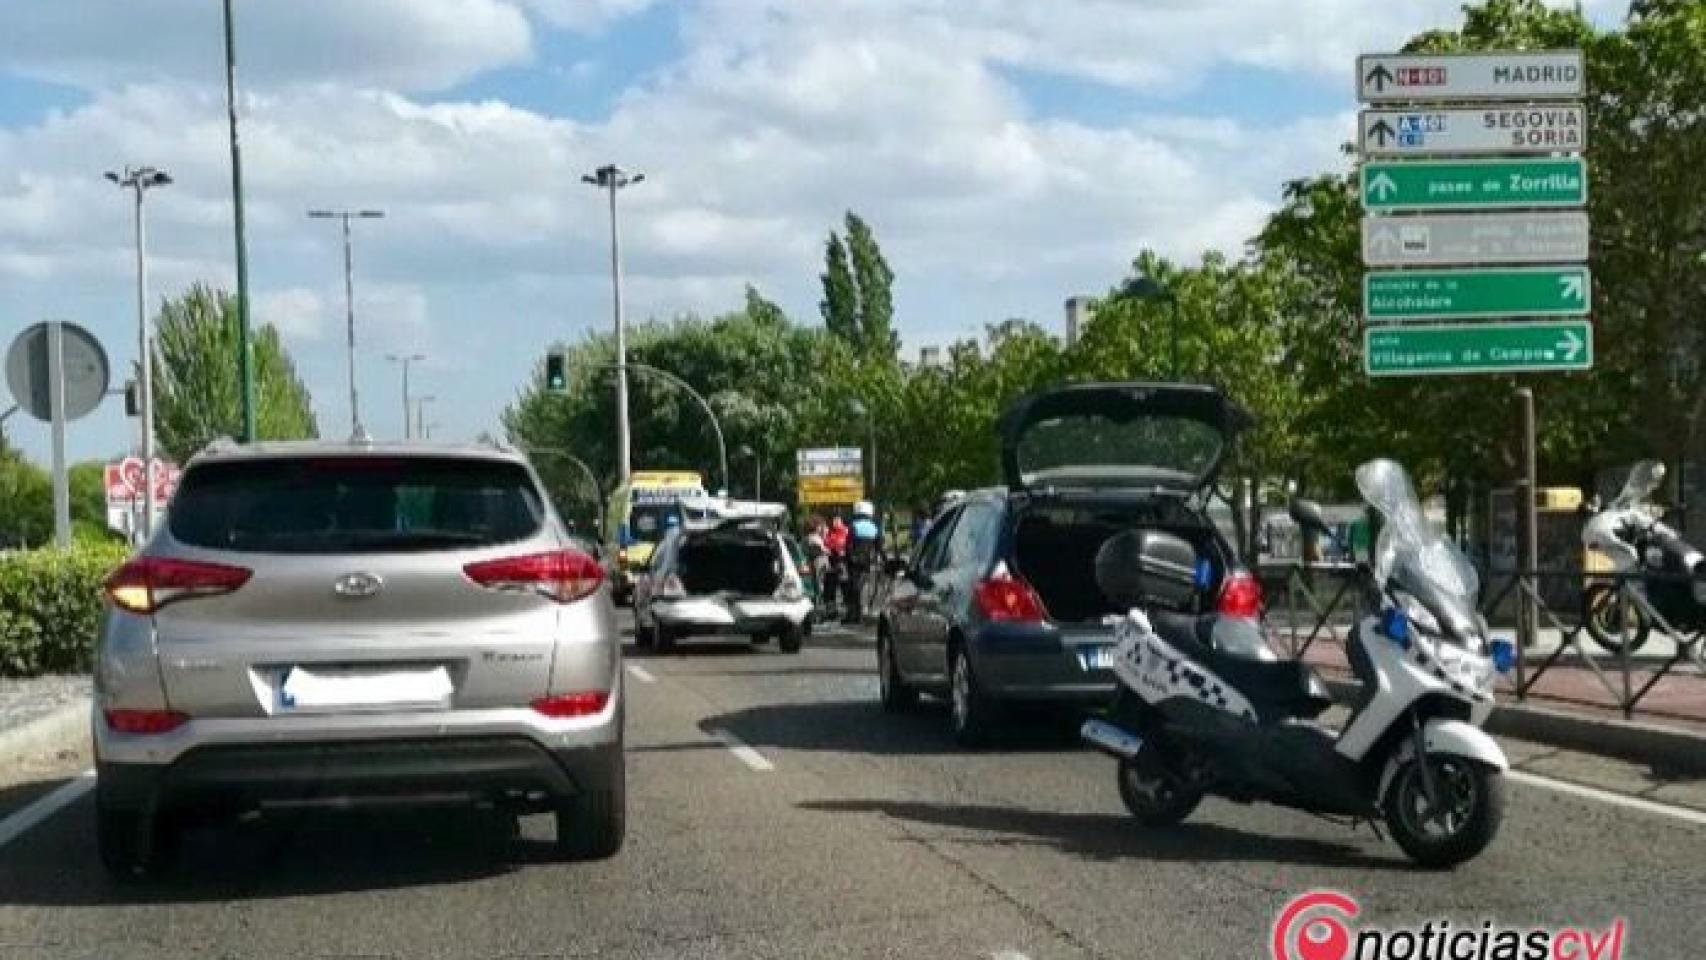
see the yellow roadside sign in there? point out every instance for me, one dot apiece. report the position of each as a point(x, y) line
point(831, 490)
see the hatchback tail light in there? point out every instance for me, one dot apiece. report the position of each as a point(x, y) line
point(1240, 596)
point(146, 722)
point(583, 704)
point(146, 584)
point(561, 575)
point(670, 586)
point(1005, 598)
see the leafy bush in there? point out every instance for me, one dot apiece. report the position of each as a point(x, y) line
point(50, 608)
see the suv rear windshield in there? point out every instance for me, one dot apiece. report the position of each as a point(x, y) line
point(355, 504)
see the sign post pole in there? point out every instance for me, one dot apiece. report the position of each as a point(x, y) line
point(56, 404)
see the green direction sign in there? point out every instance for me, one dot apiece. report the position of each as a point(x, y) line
point(1474, 184)
point(1416, 350)
point(1464, 294)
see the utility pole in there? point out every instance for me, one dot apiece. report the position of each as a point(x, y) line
point(139, 180)
point(612, 178)
point(355, 428)
point(408, 408)
point(245, 350)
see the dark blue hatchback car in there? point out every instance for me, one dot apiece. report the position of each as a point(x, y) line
point(999, 602)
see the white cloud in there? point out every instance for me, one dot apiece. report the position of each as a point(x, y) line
point(408, 44)
point(298, 312)
point(585, 15)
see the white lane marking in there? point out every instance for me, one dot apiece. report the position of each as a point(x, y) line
point(1008, 955)
point(1607, 796)
point(747, 755)
point(62, 796)
point(641, 673)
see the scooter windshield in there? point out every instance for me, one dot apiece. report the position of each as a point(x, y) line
point(1413, 559)
point(1644, 478)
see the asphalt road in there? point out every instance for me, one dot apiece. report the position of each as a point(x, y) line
point(775, 811)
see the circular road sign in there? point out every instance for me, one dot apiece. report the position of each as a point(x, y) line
point(86, 371)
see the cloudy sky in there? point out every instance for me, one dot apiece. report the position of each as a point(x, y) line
point(1009, 153)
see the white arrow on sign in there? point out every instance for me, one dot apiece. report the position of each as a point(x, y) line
point(1570, 288)
point(1571, 345)
point(1381, 186)
point(1384, 241)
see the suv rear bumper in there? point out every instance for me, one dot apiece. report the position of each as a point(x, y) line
point(511, 770)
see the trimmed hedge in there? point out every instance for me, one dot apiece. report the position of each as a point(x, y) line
point(51, 606)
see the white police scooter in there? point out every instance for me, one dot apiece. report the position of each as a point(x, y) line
point(1206, 707)
point(1668, 575)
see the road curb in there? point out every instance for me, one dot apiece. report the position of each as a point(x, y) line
point(1665, 748)
point(62, 727)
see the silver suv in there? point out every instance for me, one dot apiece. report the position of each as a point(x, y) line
point(324, 622)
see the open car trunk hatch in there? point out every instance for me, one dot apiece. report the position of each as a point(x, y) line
point(1055, 545)
point(1119, 436)
point(741, 563)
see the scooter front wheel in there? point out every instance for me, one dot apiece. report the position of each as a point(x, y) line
point(1155, 795)
point(1470, 809)
point(1603, 608)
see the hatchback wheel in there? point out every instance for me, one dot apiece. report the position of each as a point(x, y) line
point(971, 711)
point(897, 695)
point(792, 638)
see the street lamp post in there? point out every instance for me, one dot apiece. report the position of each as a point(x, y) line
point(420, 415)
point(612, 178)
point(860, 410)
point(355, 428)
point(405, 360)
point(757, 470)
point(245, 351)
point(1148, 288)
point(139, 180)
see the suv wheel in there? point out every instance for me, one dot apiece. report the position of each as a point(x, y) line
point(971, 711)
point(593, 824)
point(120, 837)
point(792, 638)
point(896, 693)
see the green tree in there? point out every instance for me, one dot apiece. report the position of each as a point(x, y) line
point(840, 304)
point(89, 492)
point(196, 387)
point(877, 337)
point(26, 502)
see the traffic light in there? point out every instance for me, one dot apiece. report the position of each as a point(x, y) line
point(556, 372)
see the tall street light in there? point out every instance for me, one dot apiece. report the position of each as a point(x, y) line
point(859, 410)
point(355, 430)
point(245, 350)
point(408, 408)
point(612, 178)
point(140, 180)
point(420, 415)
point(1148, 288)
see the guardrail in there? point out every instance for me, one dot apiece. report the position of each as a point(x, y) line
point(1524, 602)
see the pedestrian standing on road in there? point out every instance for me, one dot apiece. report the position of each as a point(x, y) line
point(835, 543)
point(864, 550)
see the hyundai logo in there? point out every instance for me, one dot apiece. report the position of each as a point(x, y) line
point(357, 585)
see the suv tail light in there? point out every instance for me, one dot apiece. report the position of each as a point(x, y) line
point(147, 722)
point(790, 590)
point(1005, 598)
point(561, 575)
point(1240, 596)
point(145, 584)
point(584, 704)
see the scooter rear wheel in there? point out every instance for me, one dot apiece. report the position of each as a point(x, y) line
point(1155, 795)
point(1472, 806)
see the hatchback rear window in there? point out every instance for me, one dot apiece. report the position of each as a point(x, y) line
point(355, 504)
